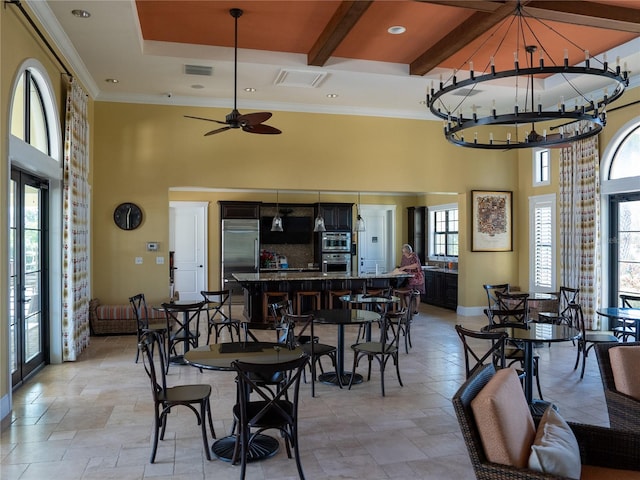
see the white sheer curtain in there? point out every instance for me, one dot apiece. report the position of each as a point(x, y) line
point(579, 219)
point(75, 295)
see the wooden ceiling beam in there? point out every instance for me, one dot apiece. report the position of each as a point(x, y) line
point(592, 14)
point(459, 37)
point(345, 18)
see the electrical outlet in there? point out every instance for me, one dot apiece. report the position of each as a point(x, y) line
point(160, 260)
point(138, 260)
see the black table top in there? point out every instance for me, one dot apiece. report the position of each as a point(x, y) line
point(541, 332)
point(219, 356)
point(344, 316)
point(620, 312)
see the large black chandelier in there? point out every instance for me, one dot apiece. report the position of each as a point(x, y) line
point(559, 119)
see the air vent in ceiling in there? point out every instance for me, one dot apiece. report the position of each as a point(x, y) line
point(466, 92)
point(299, 78)
point(203, 70)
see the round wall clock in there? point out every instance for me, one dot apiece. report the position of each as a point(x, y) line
point(127, 216)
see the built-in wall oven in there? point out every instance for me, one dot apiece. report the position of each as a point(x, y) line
point(336, 242)
point(336, 262)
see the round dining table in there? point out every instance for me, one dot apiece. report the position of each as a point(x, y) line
point(342, 317)
point(625, 314)
point(529, 335)
point(220, 356)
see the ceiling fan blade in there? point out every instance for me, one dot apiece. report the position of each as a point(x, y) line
point(206, 119)
point(218, 130)
point(254, 118)
point(260, 128)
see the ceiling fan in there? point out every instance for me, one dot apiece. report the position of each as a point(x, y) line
point(250, 122)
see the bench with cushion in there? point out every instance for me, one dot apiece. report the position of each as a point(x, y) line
point(505, 442)
point(106, 319)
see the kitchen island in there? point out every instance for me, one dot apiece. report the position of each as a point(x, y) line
point(256, 284)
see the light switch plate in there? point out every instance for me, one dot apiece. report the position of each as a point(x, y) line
point(138, 260)
point(160, 260)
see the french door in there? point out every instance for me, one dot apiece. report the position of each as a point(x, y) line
point(624, 247)
point(28, 309)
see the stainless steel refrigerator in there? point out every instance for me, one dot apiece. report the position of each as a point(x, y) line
point(240, 252)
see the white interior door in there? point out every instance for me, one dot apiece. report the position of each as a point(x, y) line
point(188, 239)
point(376, 244)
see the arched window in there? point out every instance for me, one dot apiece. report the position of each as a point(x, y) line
point(621, 214)
point(29, 116)
point(626, 158)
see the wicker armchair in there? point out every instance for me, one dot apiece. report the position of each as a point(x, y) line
point(624, 411)
point(599, 446)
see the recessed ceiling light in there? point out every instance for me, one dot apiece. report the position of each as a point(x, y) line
point(396, 30)
point(332, 95)
point(250, 89)
point(197, 86)
point(112, 80)
point(80, 13)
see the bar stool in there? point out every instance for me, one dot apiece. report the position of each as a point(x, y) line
point(404, 294)
point(312, 295)
point(271, 297)
point(333, 295)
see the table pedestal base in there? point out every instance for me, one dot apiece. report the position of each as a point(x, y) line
point(331, 378)
point(538, 407)
point(177, 360)
point(263, 446)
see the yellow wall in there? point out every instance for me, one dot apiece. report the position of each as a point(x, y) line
point(141, 151)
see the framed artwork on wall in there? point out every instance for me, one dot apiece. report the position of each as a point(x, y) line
point(491, 221)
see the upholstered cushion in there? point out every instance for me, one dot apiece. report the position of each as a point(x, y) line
point(555, 449)
point(624, 364)
point(503, 419)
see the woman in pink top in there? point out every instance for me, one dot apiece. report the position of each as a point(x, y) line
point(411, 264)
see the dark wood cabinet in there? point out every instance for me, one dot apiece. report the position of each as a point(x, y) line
point(441, 289)
point(417, 230)
point(239, 210)
point(337, 216)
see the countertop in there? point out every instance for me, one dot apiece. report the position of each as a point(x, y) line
point(289, 269)
point(430, 268)
point(288, 275)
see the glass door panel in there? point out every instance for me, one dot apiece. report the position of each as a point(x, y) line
point(28, 320)
point(625, 246)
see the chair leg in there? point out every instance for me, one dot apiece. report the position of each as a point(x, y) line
point(296, 451)
point(537, 374)
point(203, 414)
point(156, 433)
point(383, 362)
point(353, 370)
point(396, 359)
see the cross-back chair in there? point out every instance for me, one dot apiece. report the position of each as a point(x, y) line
point(315, 350)
point(186, 319)
point(404, 323)
point(625, 329)
point(270, 409)
point(218, 303)
point(488, 348)
point(383, 350)
point(491, 290)
point(143, 323)
point(586, 340)
point(166, 398)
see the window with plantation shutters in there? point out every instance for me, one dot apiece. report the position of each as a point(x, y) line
point(542, 265)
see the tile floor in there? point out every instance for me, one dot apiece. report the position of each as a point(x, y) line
point(91, 419)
